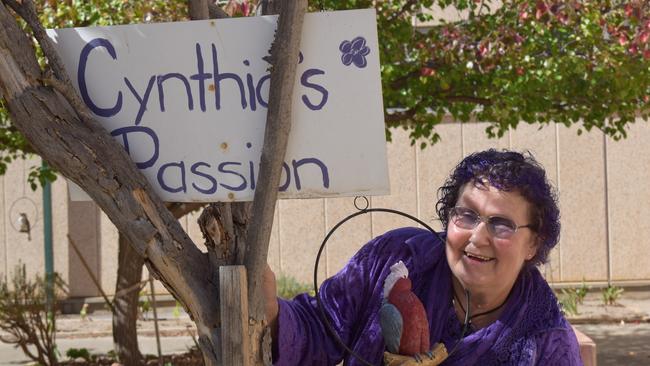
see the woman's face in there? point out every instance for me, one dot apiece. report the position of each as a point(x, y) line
point(478, 259)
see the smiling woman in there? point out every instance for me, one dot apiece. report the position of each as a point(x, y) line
point(501, 219)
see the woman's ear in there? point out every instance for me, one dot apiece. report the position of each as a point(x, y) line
point(532, 250)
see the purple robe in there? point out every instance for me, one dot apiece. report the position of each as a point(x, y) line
point(530, 331)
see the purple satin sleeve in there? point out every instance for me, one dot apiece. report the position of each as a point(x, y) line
point(301, 336)
point(351, 300)
point(559, 347)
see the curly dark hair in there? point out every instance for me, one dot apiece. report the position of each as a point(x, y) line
point(508, 171)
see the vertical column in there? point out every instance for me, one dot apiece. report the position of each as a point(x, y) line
point(47, 239)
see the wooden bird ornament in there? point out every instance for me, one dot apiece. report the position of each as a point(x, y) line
point(404, 323)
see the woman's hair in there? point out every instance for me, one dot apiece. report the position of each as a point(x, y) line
point(508, 171)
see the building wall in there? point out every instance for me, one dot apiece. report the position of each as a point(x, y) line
point(601, 183)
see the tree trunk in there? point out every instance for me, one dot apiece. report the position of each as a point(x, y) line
point(60, 128)
point(54, 120)
point(127, 289)
point(129, 275)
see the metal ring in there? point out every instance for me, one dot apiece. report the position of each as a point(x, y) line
point(356, 204)
point(324, 318)
point(13, 205)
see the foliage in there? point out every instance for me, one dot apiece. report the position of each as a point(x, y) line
point(24, 315)
point(78, 353)
point(569, 302)
point(144, 304)
point(533, 61)
point(289, 287)
point(581, 292)
point(611, 294)
point(176, 312)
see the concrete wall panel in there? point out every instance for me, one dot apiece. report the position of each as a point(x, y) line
point(108, 248)
point(20, 198)
point(474, 138)
point(434, 165)
point(302, 228)
point(582, 203)
point(542, 143)
point(629, 194)
point(403, 185)
point(84, 230)
point(348, 238)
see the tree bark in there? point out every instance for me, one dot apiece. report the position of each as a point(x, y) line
point(127, 289)
point(60, 128)
point(51, 116)
point(284, 61)
point(198, 9)
point(129, 275)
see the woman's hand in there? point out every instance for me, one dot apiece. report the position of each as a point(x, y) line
point(270, 300)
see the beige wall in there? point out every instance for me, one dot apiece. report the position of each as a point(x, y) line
point(602, 188)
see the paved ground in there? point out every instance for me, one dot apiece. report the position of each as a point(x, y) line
point(620, 344)
point(621, 333)
point(12, 356)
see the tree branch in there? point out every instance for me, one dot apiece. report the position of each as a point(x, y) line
point(215, 12)
point(84, 152)
point(198, 9)
point(278, 125)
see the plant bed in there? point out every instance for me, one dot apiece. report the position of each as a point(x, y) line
point(192, 357)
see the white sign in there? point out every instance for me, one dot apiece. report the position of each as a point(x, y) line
point(188, 101)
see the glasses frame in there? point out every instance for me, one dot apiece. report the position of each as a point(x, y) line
point(486, 220)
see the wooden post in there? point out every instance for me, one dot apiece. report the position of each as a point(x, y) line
point(235, 342)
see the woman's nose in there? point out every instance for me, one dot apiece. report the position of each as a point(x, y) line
point(480, 234)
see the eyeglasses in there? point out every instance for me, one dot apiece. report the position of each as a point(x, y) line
point(500, 227)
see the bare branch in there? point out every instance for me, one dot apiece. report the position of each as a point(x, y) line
point(285, 53)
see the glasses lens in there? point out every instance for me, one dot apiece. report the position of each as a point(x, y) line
point(501, 227)
point(464, 218)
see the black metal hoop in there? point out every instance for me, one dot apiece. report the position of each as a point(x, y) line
point(362, 211)
point(13, 206)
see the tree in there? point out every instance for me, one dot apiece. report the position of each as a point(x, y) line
point(55, 14)
point(52, 118)
point(532, 61)
point(572, 62)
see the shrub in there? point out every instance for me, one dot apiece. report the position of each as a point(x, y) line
point(581, 292)
point(289, 287)
point(569, 302)
point(78, 353)
point(26, 318)
point(611, 294)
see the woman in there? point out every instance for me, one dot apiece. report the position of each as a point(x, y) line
point(501, 220)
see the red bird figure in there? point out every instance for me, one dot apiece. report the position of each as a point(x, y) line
point(403, 320)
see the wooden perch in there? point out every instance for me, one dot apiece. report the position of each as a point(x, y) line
point(439, 352)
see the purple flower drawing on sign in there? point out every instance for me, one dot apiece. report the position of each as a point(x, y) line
point(354, 51)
